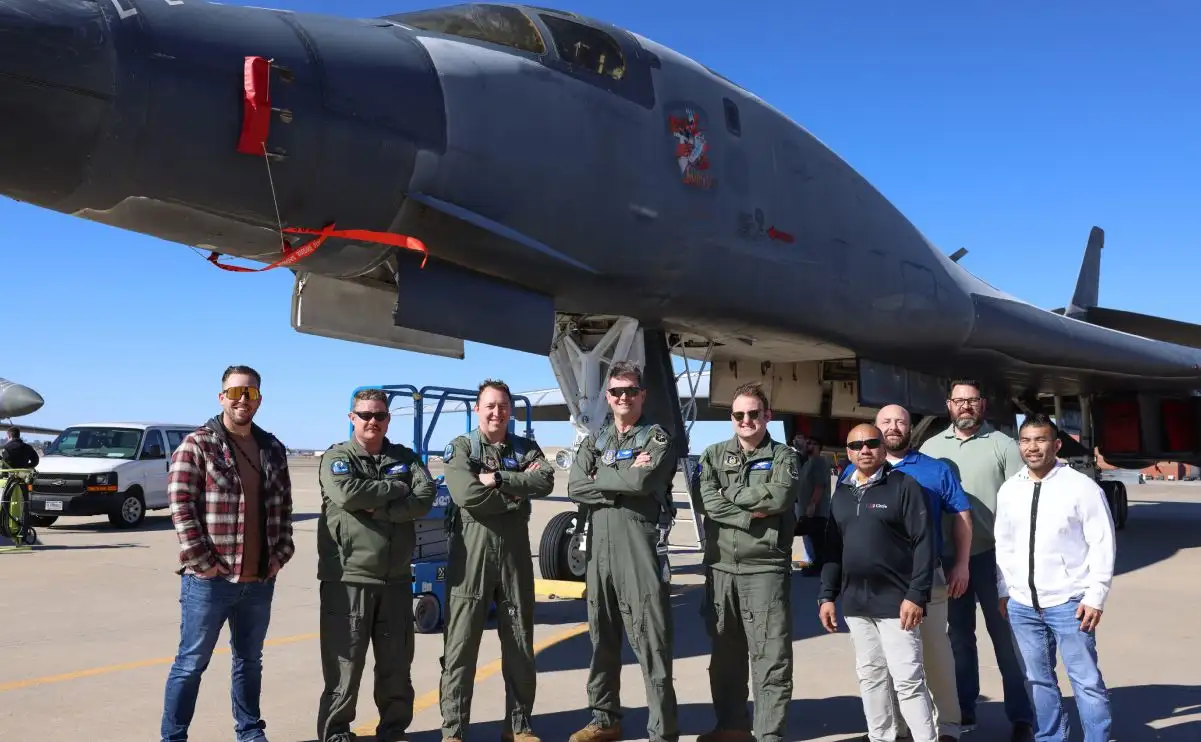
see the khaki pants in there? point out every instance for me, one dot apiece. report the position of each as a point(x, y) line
point(888, 657)
point(940, 663)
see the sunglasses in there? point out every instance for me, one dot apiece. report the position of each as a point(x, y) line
point(234, 393)
point(752, 414)
point(872, 443)
point(617, 392)
point(377, 416)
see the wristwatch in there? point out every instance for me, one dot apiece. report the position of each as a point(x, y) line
point(496, 480)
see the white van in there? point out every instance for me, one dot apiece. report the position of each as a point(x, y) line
point(114, 469)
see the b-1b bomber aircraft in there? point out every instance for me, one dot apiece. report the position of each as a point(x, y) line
point(563, 187)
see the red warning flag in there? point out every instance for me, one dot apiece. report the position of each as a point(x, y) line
point(295, 254)
point(256, 106)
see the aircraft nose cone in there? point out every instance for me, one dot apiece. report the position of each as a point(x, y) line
point(56, 85)
point(17, 400)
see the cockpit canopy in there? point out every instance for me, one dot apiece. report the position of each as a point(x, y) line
point(577, 44)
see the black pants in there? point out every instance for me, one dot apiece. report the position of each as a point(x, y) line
point(815, 528)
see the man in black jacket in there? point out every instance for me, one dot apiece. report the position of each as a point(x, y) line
point(16, 453)
point(879, 556)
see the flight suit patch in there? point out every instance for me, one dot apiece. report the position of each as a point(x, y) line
point(731, 459)
point(510, 463)
point(339, 466)
point(761, 466)
point(627, 453)
point(397, 469)
point(448, 453)
point(609, 457)
point(791, 470)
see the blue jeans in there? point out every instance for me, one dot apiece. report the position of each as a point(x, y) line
point(1038, 633)
point(205, 606)
point(961, 625)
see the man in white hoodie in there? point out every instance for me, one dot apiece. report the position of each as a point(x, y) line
point(1055, 556)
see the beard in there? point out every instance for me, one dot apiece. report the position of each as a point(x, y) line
point(967, 422)
point(900, 445)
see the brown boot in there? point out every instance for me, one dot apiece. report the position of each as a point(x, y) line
point(518, 737)
point(726, 735)
point(596, 733)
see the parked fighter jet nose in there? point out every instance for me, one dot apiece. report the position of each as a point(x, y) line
point(57, 67)
point(17, 400)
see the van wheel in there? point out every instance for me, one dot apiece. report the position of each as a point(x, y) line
point(130, 512)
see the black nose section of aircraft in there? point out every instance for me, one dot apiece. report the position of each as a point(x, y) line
point(56, 87)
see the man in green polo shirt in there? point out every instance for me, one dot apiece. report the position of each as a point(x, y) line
point(983, 458)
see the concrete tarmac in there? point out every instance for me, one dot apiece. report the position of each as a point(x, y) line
point(92, 622)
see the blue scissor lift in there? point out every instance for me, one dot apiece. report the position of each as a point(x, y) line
point(433, 544)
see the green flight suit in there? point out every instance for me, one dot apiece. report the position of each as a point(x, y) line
point(489, 560)
point(365, 542)
point(748, 560)
point(626, 505)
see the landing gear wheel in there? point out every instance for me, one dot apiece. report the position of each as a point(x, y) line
point(31, 537)
point(130, 513)
point(559, 555)
point(1123, 506)
point(427, 613)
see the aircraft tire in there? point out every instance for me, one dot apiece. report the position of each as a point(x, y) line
point(558, 554)
point(1123, 506)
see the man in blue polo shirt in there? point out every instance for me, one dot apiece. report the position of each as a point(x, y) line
point(946, 496)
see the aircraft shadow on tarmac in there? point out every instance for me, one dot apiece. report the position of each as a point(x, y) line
point(1155, 531)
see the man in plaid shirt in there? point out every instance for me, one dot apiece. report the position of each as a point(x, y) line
point(231, 503)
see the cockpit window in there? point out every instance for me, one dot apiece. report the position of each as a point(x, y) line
point(496, 24)
point(586, 47)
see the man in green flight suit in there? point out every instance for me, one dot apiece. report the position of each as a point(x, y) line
point(749, 489)
point(371, 492)
point(491, 475)
point(622, 476)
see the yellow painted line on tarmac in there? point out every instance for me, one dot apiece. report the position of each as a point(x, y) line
point(430, 699)
point(108, 669)
point(560, 589)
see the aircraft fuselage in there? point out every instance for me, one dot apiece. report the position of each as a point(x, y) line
point(661, 192)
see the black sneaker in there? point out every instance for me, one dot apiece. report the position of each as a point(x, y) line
point(1022, 732)
point(967, 723)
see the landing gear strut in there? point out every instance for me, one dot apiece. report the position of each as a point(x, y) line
point(1115, 491)
point(582, 352)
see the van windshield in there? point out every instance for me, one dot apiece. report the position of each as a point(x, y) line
point(99, 442)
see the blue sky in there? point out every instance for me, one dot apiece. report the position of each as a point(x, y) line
point(1007, 128)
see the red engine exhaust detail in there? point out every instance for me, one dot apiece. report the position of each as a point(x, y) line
point(256, 106)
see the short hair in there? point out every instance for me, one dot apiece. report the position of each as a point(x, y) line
point(626, 368)
point(369, 395)
point(14, 432)
point(965, 382)
point(496, 384)
point(752, 389)
point(258, 380)
point(1040, 420)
